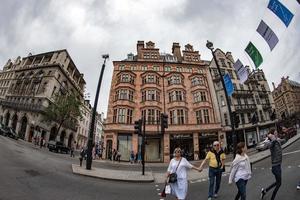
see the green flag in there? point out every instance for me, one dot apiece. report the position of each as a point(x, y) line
point(254, 54)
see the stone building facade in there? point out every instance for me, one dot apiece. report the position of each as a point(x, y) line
point(32, 83)
point(287, 97)
point(151, 83)
point(252, 97)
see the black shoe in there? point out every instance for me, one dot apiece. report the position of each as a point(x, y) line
point(263, 193)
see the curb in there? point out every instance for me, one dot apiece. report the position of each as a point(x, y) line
point(130, 180)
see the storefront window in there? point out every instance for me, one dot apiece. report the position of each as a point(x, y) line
point(124, 146)
point(185, 142)
point(205, 143)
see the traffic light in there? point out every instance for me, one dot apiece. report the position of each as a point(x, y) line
point(236, 119)
point(164, 122)
point(138, 127)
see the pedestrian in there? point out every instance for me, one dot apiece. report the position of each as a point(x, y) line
point(44, 143)
point(216, 158)
point(72, 152)
point(276, 158)
point(240, 171)
point(114, 155)
point(118, 156)
point(41, 142)
point(178, 168)
point(139, 158)
point(136, 157)
point(81, 156)
point(131, 157)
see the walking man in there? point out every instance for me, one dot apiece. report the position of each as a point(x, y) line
point(276, 158)
point(216, 158)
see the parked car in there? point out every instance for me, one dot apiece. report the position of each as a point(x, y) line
point(57, 146)
point(12, 134)
point(4, 130)
point(263, 145)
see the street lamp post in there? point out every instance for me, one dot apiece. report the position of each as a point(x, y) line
point(92, 126)
point(210, 46)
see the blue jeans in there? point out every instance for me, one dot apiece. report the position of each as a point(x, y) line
point(214, 174)
point(276, 170)
point(241, 185)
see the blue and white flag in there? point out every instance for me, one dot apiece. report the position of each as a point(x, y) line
point(266, 32)
point(281, 11)
point(241, 71)
point(228, 84)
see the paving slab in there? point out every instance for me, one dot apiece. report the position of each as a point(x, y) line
point(118, 175)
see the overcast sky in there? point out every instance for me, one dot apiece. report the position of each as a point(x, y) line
point(89, 28)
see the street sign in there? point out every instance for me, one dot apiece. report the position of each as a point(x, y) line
point(228, 84)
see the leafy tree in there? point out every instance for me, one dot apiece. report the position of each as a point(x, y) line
point(64, 110)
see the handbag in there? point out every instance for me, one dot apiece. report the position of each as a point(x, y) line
point(173, 176)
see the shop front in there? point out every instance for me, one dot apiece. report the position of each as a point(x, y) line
point(153, 148)
point(205, 143)
point(124, 146)
point(185, 142)
point(251, 137)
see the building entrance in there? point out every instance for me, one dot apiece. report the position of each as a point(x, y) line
point(185, 142)
point(205, 143)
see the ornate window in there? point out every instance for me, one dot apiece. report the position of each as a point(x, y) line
point(122, 116)
point(126, 78)
point(197, 81)
point(152, 115)
point(150, 95)
point(124, 94)
point(151, 78)
point(176, 95)
point(178, 116)
point(199, 96)
point(202, 116)
point(175, 80)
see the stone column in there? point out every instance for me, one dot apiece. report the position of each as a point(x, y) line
point(166, 145)
point(135, 143)
point(27, 132)
point(18, 127)
point(257, 134)
point(196, 145)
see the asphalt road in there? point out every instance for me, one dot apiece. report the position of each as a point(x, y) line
point(28, 173)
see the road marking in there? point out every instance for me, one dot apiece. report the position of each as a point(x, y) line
point(292, 152)
point(298, 165)
point(289, 167)
point(262, 168)
point(156, 185)
point(157, 189)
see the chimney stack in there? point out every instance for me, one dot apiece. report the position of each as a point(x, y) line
point(140, 45)
point(176, 51)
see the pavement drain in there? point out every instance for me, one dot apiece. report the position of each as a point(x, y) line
point(32, 173)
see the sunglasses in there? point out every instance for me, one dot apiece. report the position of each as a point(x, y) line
point(216, 145)
point(177, 151)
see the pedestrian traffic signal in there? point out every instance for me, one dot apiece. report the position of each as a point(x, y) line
point(236, 119)
point(164, 122)
point(138, 127)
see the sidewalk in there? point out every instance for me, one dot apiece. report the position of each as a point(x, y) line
point(156, 171)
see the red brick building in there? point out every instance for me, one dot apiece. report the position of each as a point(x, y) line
point(151, 83)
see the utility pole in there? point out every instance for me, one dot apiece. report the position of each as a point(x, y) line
point(92, 126)
point(210, 46)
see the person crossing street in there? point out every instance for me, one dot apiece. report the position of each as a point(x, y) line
point(216, 158)
point(276, 158)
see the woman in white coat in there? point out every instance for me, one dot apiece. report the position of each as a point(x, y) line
point(179, 165)
point(240, 171)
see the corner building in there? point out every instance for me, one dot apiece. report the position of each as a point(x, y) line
point(151, 83)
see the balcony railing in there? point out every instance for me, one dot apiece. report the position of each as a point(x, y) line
point(242, 93)
point(266, 106)
point(245, 107)
point(23, 106)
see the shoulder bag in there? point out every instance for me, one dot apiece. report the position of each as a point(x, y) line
point(173, 176)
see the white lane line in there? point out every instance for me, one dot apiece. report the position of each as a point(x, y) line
point(289, 167)
point(292, 152)
point(156, 185)
point(157, 189)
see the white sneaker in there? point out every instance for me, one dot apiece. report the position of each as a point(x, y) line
point(209, 198)
point(298, 187)
point(215, 195)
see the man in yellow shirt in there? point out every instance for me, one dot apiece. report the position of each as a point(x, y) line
point(216, 158)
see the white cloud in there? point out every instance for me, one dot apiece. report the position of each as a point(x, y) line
point(89, 28)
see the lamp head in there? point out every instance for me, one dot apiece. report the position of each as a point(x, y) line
point(105, 56)
point(209, 45)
